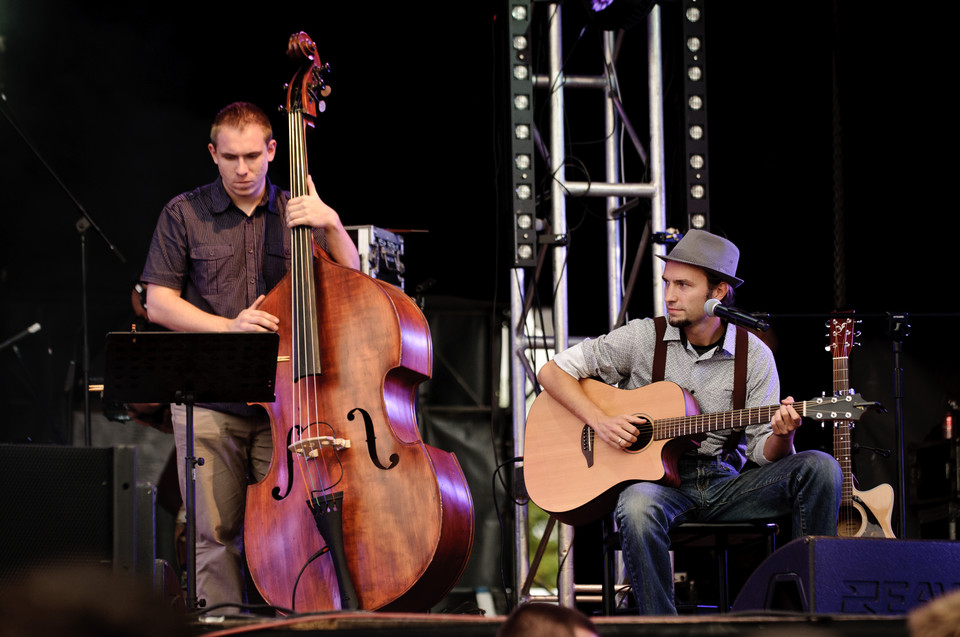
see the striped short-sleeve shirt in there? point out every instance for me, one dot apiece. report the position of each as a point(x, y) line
point(219, 258)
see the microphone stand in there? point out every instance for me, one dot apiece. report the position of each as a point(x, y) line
point(83, 224)
point(899, 329)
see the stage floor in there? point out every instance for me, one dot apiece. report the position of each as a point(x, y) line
point(401, 624)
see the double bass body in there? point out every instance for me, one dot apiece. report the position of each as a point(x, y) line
point(407, 511)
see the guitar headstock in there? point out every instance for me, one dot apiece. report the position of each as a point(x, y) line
point(848, 407)
point(842, 333)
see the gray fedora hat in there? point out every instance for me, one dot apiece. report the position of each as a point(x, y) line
point(710, 252)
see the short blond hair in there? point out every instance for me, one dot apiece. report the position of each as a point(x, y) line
point(239, 115)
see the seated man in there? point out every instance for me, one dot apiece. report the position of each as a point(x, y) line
point(700, 354)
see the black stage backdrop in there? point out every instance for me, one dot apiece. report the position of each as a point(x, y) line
point(117, 100)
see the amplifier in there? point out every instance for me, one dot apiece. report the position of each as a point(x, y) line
point(873, 576)
point(381, 253)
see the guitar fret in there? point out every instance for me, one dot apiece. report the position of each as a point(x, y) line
point(826, 408)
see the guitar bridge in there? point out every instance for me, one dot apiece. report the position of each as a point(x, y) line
point(587, 438)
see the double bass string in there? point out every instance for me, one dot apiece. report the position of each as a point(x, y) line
point(306, 355)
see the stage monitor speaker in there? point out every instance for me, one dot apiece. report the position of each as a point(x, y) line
point(70, 507)
point(872, 576)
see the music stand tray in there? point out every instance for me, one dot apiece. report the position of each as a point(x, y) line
point(169, 367)
point(187, 368)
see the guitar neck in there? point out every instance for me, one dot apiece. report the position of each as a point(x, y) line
point(841, 343)
point(703, 423)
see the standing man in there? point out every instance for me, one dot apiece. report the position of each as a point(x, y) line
point(700, 354)
point(216, 252)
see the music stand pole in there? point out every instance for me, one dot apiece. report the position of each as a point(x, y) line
point(190, 464)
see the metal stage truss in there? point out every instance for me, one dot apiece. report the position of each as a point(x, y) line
point(523, 342)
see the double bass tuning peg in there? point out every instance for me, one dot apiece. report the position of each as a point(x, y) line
point(318, 74)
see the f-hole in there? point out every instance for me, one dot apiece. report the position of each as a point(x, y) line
point(276, 490)
point(372, 440)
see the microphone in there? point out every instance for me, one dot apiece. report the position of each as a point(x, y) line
point(732, 314)
point(13, 339)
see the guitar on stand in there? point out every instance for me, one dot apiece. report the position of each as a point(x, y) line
point(862, 513)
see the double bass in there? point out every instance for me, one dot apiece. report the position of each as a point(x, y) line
point(355, 511)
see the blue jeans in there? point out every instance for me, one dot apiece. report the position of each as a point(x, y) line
point(806, 485)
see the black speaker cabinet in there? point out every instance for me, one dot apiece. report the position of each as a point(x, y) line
point(875, 576)
point(70, 506)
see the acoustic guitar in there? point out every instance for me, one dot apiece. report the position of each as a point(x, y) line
point(862, 513)
point(577, 480)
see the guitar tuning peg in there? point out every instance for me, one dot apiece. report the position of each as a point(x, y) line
point(826, 348)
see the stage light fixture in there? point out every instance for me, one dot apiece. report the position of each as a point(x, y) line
point(522, 197)
point(611, 15)
point(695, 114)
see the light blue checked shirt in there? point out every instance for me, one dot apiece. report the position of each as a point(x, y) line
point(624, 358)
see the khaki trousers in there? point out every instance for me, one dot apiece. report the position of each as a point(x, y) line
point(236, 451)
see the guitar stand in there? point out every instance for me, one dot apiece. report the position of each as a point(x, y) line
point(189, 368)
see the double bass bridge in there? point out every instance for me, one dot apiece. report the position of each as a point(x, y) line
point(312, 446)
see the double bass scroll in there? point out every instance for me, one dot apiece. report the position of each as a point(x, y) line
point(345, 437)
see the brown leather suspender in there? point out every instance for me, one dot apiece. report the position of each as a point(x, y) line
point(739, 364)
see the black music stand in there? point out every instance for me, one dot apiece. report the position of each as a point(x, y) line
point(188, 368)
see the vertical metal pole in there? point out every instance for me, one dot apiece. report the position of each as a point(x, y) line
point(565, 583)
point(518, 394)
point(658, 204)
point(612, 130)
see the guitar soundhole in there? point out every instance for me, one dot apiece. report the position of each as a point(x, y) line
point(644, 436)
point(850, 521)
